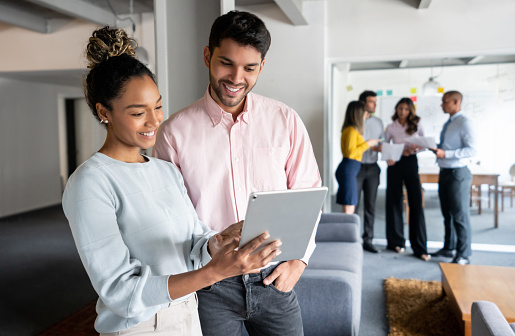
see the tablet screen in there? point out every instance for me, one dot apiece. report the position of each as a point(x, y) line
point(289, 215)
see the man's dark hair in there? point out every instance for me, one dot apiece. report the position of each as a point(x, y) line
point(365, 94)
point(454, 95)
point(244, 28)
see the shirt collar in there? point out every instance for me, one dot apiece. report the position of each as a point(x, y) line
point(456, 115)
point(396, 122)
point(216, 113)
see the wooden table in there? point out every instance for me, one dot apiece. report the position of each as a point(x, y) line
point(478, 178)
point(464, 284)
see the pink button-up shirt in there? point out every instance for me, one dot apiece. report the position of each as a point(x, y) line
point(223, 161)
point(396, 132)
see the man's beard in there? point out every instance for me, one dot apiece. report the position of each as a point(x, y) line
point(218, 89)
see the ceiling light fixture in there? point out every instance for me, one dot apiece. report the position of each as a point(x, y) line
point(141, 52)
point(431, 87)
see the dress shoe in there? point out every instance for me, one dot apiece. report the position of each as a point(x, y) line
point(443, 253)
point(370, 248)
point(461, 260)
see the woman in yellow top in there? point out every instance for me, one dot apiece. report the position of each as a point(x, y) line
point(353, 146)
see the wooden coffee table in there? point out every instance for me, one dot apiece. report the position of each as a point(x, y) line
point(465, 284)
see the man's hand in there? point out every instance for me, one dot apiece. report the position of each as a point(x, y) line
point(440, 153)
point(377, 148)
point(225, 237)
point(390, 162)
point(286, 275)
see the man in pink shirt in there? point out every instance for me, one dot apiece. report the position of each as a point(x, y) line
point(232, 142)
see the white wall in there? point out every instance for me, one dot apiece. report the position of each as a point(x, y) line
point(90, 134)
point(380, 30)
point(29, 145)
point(182, 32)
point(294, 66)
point(25, 50)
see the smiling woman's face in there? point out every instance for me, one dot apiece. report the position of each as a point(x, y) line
point(135, 116)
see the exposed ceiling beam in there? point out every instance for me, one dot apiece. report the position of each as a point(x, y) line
point(423, 4)
point(476, 59)
point(80, 9)
point(403, 63)
point(23, 19)
point(293, 10)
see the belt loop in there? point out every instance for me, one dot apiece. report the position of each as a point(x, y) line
point(158, 321)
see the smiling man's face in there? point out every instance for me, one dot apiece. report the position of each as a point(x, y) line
point(233, 72)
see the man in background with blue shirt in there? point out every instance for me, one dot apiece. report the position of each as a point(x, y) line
point(457, 146)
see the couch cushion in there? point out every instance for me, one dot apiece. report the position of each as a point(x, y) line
point(338, 232)
point(337, 256)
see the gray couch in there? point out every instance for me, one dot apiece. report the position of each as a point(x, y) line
point(329, 291)
point(487, 320)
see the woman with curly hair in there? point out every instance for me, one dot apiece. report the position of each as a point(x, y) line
point(405, 172)
point(136, 231)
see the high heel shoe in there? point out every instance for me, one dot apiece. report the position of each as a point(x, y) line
point(425, 257)
point(399, 249)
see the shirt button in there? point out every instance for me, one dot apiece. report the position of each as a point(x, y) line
point(236, 159)
point(272, 151)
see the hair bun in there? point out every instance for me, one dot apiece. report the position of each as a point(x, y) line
point(109, 42)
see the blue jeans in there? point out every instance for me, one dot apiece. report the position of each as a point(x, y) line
point(225, 306)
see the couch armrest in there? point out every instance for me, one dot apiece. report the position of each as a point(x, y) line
point(487, 319)
point(338, 227)
point(330, 302)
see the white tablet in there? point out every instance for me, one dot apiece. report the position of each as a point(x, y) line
point(288, 215)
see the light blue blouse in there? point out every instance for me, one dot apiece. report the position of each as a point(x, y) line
point(134, 226)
